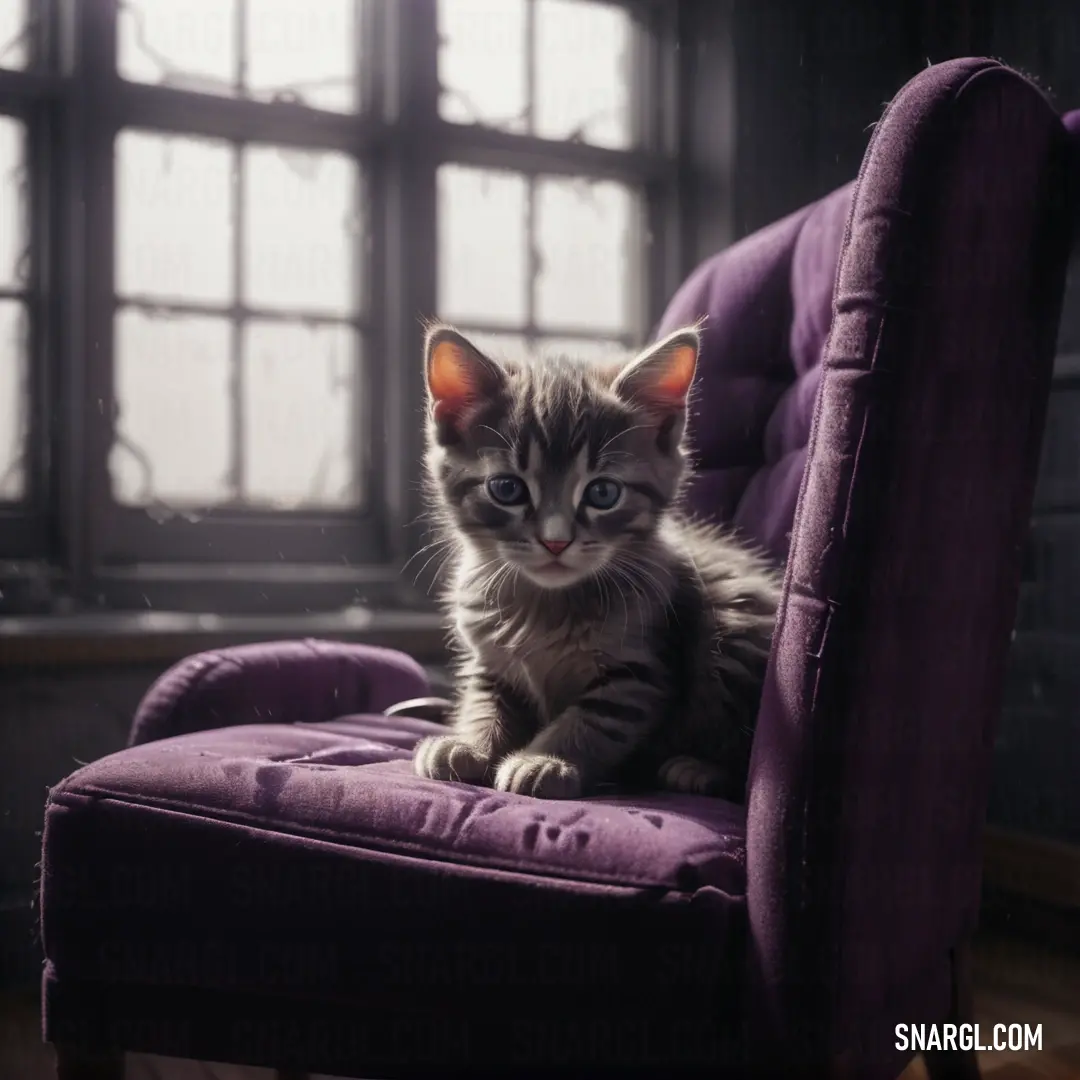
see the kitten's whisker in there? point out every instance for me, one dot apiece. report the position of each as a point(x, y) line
point(643, 583)
point(479, 576)
point(435, 577)
point(487, 427)
point(618, 576)
point(439, 543)
point(445, 557)
point(638, 564)
point(431, 514)
point(621, 434)
point(604, 595)
point(653, 583)
point(494, 586)
point(667, 602)
point(613, 456)
point(434, 555)
point(607, 579)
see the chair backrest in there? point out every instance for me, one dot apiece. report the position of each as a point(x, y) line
point(767, 306)
point(867, 792)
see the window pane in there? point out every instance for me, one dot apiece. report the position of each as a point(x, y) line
point(301, 230)
point(14, 49)
point(174, 219)
point(301, 439)
point(482, 63)
point(587, 241)
point(13, 203)
point(583, 349)
point(482, 245)
point(173, 393)
point(582, 72)
point(582, 57)
point(14, 400)
point(303, 50)
point(179, 43)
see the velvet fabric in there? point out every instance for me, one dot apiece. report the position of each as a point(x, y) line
point(261, 878)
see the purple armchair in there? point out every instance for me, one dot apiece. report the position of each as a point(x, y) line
point(260, 877)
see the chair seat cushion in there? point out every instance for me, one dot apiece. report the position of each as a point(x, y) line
point(310, 860)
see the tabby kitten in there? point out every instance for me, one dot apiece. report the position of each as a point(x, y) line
point(603, 636)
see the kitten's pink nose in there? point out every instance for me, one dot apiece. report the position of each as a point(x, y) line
point(556, 547)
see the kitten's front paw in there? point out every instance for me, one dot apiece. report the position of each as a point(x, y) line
point(692, 776)
point(539, 775)
point(446, 757)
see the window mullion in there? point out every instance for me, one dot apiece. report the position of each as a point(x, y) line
point(409, 194)
point(667, 201)
point(46, 262)
point(369, 254)
point(87, 413)
point(532, 253)
point(237, 470)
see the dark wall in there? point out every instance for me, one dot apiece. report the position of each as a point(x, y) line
point(783, 95)
point(816, 78)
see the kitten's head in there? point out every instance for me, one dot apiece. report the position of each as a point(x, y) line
point(559, 468)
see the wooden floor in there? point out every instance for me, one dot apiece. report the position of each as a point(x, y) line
point(1014, 984)
point(1019, 984)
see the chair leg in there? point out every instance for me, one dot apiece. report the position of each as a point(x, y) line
point(956, 1064)
point(75, 1064)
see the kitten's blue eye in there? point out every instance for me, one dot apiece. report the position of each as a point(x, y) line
point(508, 490)
point(602, 494)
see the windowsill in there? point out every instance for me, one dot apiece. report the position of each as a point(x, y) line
point(161, 636)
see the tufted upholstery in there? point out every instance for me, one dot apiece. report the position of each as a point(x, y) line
point(767, 306)
point(874, 378)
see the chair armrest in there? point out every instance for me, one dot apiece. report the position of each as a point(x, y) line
point(280, 682)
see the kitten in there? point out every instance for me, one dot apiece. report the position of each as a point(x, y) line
point(603, 636)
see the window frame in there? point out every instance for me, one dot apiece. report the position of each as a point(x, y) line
point(71, 545)
point(34, 96)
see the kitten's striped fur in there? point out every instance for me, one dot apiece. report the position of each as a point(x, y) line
point(632, 647)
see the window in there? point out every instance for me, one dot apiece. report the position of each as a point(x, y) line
point(14, 303)
point(221, 227)
point(528, 260)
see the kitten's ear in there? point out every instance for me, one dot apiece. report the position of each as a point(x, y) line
point(459, 376)
point(659, 380)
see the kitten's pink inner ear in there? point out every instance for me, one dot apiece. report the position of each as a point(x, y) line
point(678, 375)
point(449, 379)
